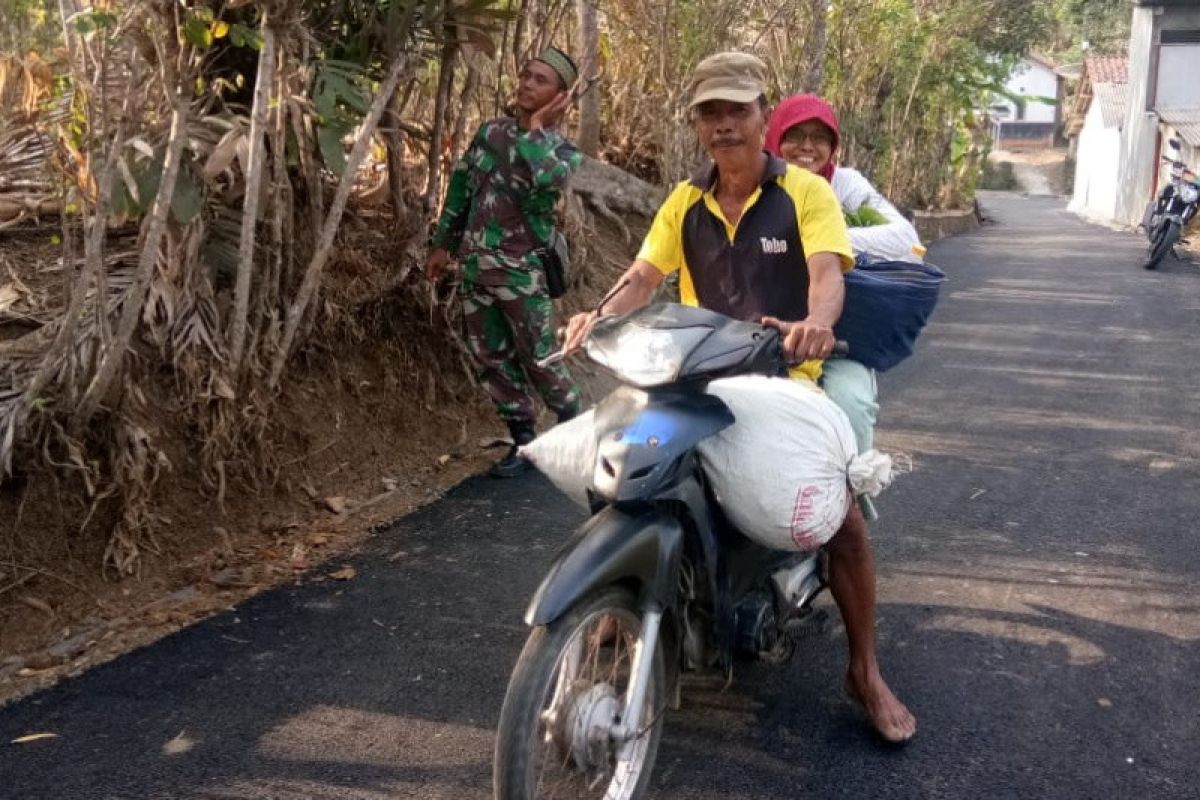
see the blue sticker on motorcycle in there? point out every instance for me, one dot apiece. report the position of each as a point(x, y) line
point(652, 424)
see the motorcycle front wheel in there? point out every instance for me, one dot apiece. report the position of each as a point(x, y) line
point(564, 695)
point(1166, 239)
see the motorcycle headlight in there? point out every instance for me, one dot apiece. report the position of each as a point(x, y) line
point(642, 356)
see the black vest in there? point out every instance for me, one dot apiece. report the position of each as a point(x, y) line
point(763, 271)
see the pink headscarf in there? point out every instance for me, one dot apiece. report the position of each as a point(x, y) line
point(795, 110)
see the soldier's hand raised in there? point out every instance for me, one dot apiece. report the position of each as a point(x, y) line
point(550, 114)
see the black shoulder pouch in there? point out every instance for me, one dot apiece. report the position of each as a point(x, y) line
point(555, 256)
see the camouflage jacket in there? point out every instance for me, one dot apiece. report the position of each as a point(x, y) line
point(500, 202)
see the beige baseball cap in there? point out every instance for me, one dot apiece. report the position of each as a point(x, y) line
point(737, 77)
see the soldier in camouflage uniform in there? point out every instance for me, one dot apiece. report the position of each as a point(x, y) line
point(499, 209)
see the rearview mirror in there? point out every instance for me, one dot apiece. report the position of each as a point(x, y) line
point(1174, 143)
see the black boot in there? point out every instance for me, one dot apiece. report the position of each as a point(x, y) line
point(513, 464)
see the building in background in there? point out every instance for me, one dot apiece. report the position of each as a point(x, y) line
point(1164, 99)
point(1093, 125)
point(1028, 115)
point(1127, 109)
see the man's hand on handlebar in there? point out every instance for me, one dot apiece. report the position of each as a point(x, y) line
point(802, 340)
point(571, 337)
point(577, 331)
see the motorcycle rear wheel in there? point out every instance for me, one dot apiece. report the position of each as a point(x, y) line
point(1162, 245)
point(567, 687)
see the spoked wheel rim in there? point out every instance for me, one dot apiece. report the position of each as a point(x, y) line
point(573, 755)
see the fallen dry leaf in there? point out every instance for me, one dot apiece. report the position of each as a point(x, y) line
point(225, 537)
point(8, 296)
point(179, 745)
point(231, 577)
point(344, 574)
point(318, 539)
point(41, 660)
point(221, 388)
point(299, 557)
point(37, 603)
point(336, 504)
point(33, 737)
point(443, 459)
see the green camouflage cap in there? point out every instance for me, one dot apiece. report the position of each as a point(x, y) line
point(561, 63)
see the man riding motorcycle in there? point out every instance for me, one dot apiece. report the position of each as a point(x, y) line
point(760, 240)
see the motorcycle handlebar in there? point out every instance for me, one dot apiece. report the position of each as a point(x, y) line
point(841, 349)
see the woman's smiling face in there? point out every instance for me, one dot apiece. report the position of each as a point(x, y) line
point(808, 145)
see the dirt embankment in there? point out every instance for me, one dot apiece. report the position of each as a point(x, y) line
point(379, 417)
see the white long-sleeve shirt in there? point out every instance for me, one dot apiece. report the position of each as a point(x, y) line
point(893, 241)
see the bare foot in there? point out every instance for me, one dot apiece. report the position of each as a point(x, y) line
point(889, 716)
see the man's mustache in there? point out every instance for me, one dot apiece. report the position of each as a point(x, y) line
point(726, 141)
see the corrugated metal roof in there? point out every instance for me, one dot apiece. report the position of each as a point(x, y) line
point(1186, 122)
point(1113, 99)
point(1107, 69)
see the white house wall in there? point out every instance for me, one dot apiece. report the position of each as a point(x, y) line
point(1033, 80)
point(1095, 194)
point(1139, 135)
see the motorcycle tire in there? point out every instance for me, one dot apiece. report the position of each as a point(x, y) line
point(546, 711)
point(1162, 245)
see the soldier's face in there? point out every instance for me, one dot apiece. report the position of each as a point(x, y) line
point(537, 85)
point(727, 128)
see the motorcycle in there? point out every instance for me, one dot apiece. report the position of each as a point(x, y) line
point(1167, 215)
point(656, 583)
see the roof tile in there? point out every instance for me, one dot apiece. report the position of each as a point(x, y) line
point(1107, 69)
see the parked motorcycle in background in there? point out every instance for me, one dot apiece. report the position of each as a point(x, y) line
point(1168, 214)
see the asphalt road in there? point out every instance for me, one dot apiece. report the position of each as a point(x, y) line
point(1037, 576)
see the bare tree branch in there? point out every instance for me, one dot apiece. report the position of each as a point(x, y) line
point(312, 275)
point(433, 184)
point(135, 296)
point(258, 127)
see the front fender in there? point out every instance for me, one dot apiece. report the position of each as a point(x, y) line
point(613, 546)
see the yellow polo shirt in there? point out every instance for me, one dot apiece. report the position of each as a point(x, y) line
point(758, 266)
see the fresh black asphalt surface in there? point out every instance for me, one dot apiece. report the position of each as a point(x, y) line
point(1037, 573)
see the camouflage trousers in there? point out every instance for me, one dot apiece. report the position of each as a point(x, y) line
point(509, 328)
